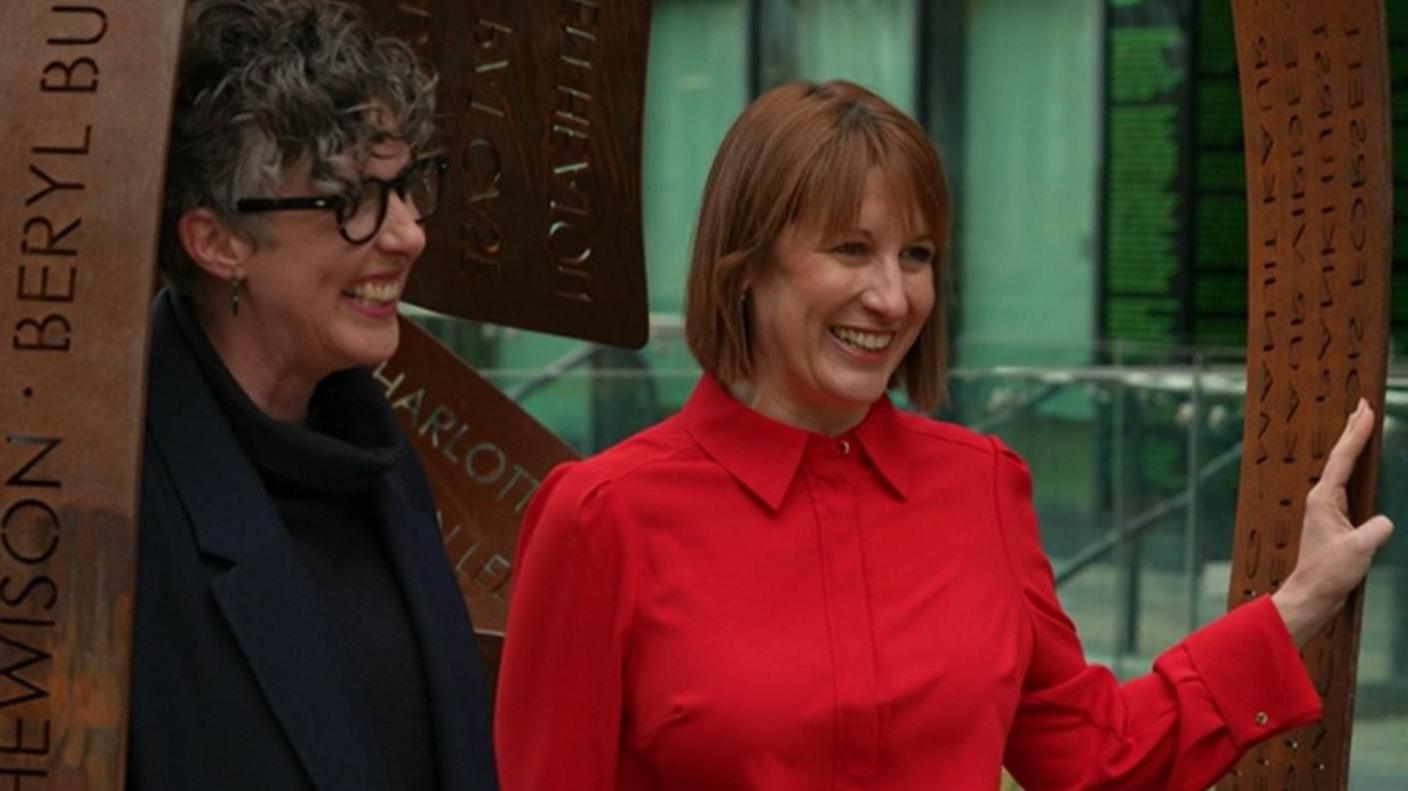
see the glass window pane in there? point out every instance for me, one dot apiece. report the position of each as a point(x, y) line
point(1026, 222)
point(869, 42)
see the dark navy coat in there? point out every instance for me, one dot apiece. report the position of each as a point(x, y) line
point(237, 681)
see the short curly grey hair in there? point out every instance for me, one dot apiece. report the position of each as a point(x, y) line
point(264, 83)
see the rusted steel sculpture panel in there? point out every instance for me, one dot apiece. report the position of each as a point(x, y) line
point(484, 456)
point(543, 117)
point(541, 221)
point(1315, 114)
point(84, 97)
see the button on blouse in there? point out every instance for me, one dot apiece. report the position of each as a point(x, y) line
point(724, 601)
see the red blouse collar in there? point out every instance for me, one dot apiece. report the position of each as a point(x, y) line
point(763, 454)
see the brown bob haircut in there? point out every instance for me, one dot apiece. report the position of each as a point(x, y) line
point(801, 153)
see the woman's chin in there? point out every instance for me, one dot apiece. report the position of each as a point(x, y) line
point(857, 390)
point(364, 348)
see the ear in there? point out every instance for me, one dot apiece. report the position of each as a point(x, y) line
point(212, 245)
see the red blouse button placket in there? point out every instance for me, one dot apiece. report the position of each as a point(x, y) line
point(848, 617)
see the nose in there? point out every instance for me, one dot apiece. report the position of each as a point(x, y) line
point(400, 234)
point(884, 294)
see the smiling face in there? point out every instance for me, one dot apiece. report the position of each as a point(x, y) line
point(832, 316)
point(316, 304)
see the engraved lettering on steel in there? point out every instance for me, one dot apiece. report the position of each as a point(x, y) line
point(1314, 104)
point(80, 191)
point(541, 108)
point(484, 456)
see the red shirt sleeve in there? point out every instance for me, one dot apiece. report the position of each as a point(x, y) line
point(1233, 683)
point(558, 710)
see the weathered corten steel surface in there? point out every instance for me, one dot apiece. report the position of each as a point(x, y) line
point(541, 106)
point(84, 97)
point(484, 456)
point(1315, 114)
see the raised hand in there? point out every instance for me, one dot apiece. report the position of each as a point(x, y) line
point(1334, 554)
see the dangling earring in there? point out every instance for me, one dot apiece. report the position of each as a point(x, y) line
point(743, 324)
point(236, 287)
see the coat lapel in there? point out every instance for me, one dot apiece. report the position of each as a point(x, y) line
point(279, 618)
point(459, 701)
point(287, 634)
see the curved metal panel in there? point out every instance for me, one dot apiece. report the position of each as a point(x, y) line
point(484, 456)
point(80, 194)
point(1315, 116)
point(542, 104)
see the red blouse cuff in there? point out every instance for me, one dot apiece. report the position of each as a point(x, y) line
point(1253, 672)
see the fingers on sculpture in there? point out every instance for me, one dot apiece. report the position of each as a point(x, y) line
point(1334, 553)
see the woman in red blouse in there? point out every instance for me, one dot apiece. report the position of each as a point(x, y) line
point(793, 585)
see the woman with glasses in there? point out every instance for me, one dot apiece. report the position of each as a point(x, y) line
point(297, 624)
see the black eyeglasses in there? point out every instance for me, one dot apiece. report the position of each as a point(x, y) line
point(360, 215)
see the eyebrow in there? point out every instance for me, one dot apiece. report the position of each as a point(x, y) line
point(923, 237)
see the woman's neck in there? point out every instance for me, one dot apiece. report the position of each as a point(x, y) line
point(831, 423)
point(273, 383)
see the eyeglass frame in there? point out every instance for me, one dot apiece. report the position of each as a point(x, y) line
point(336, 204)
